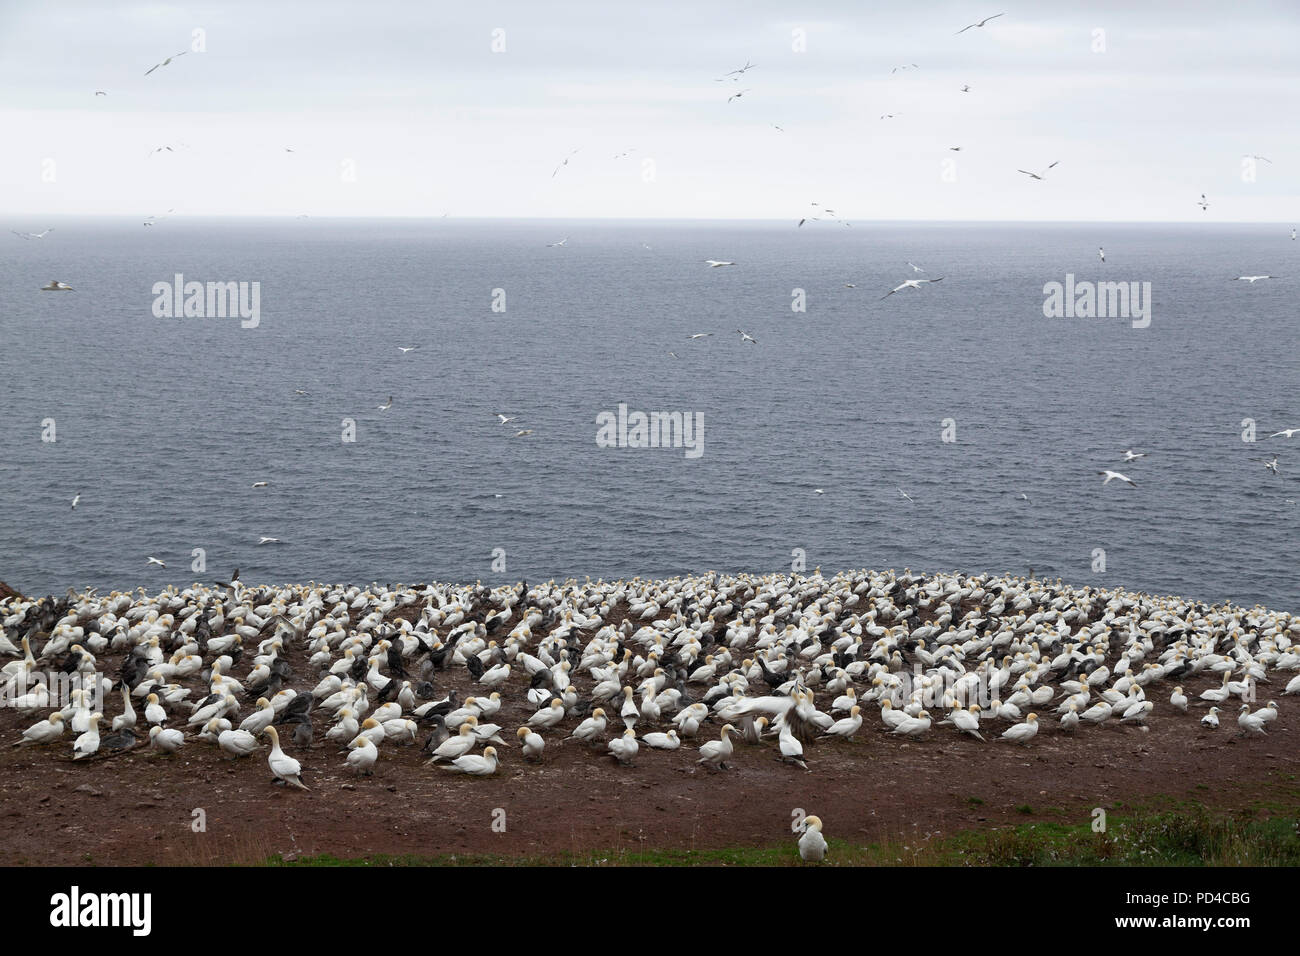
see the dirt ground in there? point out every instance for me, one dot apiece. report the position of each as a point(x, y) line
point(137, 807)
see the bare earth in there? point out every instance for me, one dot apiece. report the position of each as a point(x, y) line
point(136, 808)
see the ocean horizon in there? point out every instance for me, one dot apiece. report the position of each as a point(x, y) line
point(961, 395)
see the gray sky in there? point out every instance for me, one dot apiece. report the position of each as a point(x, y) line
point(434, 121)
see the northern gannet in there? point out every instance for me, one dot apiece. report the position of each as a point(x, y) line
point(87, 743)
point(531, 744)
point(846, 726)
point(716, 263)
point(459, 745)
point(283, 767)
point(1021, 733)
point(564, 162)
point(483, 766)
point(812, 845)
point(1211, 719)
point(910, 284)
point(363, 754)
point(980, 24)
point(1249, 723)
point(56, 286)
point(658, 741)
point(624, 749)
point(591, 728)
point(168, 741)
point(548, 716)
point(43, 732)
point(237, 743)
point(1038, 176)
point(1111, 475)
point(165, 62)
point(714, 753)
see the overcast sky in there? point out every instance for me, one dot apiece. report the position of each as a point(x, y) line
point(433, 121)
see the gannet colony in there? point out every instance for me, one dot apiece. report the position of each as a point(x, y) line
point(733, 667)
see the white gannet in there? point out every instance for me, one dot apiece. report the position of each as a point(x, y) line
point(165, 62)
point(260, 719)
point(153, 560)
point(658, 741)
point(548, 716)
point(564, 162)
point(624, 748)
point(812, 845)
point(968, 721)
point(913, 726)
point(483, 766)
point(1021, 733)
point(43, 732)
point(1070, 719)
point(283, 767)
point(791, 749)
point(387, 405)
point(237, 743)
point(910, 284)
point(846, 726)
point(363, 754)
point(531, 744)
point(746, 337)
point(87, 743)
point(714, 753)
point(591, 728)
point(42, 235)
point(1211, 719)
point(459, 745)
point(168, 741)
point(1249, 723)
point(1284, 433)
point(1038, 176)
point(716, 263)
point(1270, 464)
point(1179, 699)
point(980, 24)
point(1252, 279)
point(1111, 475)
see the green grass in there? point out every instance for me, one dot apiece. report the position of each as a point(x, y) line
point(1190, 837)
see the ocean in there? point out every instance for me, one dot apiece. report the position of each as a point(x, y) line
point(961, 394)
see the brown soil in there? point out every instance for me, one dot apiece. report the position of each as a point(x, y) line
point(136, 808)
